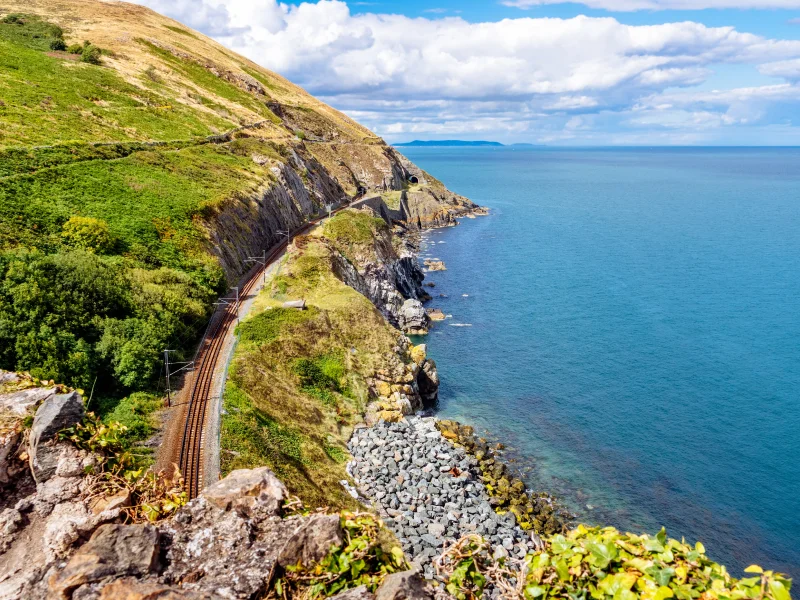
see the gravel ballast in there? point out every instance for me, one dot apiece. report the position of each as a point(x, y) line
point(428, 491)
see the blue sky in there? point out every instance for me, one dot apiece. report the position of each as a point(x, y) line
point(601, 72)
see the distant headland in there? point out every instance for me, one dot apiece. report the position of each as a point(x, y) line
point(482, 143)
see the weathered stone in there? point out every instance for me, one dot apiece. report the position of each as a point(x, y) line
point(412, 317)
point(407, 585)
point(312, 541)
point(359, 593)
point(55, 413)
point(419, 353)
point(247, 490)
point(132, 589)
point(113, 551)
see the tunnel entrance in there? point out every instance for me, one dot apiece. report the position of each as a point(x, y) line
point(413, 179)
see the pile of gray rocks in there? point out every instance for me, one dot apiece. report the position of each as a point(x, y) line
point(428, 491)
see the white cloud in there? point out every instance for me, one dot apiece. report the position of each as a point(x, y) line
point(516, 77)
point(788, 69)
point(631, 5)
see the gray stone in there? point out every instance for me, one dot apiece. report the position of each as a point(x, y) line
point(312, 541)
point(56, 413)
point(407, 585)
point(359, 593)
point(248, 490)
point(113, 551)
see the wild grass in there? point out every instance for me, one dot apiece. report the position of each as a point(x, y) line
point(304, 371)
point(45, 98)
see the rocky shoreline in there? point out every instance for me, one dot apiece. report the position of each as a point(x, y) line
point(434, 482)
point(429, 492)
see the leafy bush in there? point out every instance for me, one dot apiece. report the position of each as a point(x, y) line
point(320, 377)
point(363, 559)
point(604, 563)
point(87, 233)
point(152, 495)
point(91, 54)
point(32, 32)
point(74, 316)
point(75, 48)
point(58, 45)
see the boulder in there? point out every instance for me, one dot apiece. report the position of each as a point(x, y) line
point(70, 522)
point(56, 413)
point(407, 585)
point(436, 314)
point(248, 490)
point(9, 465)
point(412, 317)
point(113, 551)
point(428, 381)
point(312, 541)
point(20, 402)
point(221, 552)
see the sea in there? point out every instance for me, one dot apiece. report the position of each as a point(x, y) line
point(627, 322)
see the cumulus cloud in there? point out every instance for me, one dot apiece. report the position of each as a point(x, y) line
point(631, 5)
point(529, 76)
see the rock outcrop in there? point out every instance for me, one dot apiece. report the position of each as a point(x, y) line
point(56, 413)
point(229, 543)
point(412, 317)
point(407, 384)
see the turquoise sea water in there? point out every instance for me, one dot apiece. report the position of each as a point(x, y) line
point(630, 326)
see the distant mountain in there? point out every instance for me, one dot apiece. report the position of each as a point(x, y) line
point(448, 143)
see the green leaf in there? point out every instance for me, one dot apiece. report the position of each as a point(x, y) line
point(663, 593)
point(754, 569)
point(601, 553)
point(562, 570)
point(779, 590)
point(535, 591)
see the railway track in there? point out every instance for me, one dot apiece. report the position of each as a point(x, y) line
point(206, 361)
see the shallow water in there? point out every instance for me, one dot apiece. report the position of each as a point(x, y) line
point(628, 321)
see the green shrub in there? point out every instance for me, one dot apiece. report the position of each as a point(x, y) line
point(58, 45)
point(74, 316)
point(75, 49)
point(605, 564)
point(267, 326)
point(364, 559)
point(90, 234)
point(91, 54)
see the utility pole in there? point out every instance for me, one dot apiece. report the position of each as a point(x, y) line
point(231, 302)
point(166, 370)
point(186, 365)
point(262, 260)
point(288, 233)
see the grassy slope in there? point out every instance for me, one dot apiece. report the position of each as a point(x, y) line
point(297, 381)
point(159, 83)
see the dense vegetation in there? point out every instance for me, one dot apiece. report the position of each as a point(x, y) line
point(604, 564)
point(102, 265)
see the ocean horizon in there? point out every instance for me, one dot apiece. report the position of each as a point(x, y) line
point(627, 321)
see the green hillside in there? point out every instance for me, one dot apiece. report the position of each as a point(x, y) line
point(118, 153)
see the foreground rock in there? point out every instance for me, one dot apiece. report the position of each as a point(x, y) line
point(56, 413)
point(229, 543)
point(429, 491)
